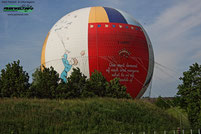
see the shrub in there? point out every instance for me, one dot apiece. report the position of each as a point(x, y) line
point(163, 104)
point(97, 84)
point(115, 90)
point(44, 83)
point(76, 84)
point(14, 81)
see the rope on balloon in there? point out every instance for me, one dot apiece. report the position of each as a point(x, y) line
point(112, 60)
point(61, 39)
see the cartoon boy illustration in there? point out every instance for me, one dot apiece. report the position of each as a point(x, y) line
point(67, 68)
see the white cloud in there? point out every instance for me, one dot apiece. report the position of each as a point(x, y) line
point(175, 43)
point(180, 17)
point(171, 32)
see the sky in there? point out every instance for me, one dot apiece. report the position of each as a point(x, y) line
point(174, 27)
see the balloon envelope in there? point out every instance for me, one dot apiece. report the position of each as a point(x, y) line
point(104, 39)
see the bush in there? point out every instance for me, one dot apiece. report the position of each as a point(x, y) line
point(44, 83)
point(97, 84)
point(75, 87)
point(76, 84)
point(115, 90)
point(0, 88)
point(164, 103)
point(14, 81)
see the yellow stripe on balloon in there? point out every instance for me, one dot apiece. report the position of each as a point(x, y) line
point(43, 52)
point(98, 14)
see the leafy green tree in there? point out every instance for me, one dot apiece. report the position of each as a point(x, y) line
point(115, 90)
point(14, 80)
point(1, 95)
point(61, 91)
point(44, 83)
point(97, 84)
point(190, 94)
point(76, 84)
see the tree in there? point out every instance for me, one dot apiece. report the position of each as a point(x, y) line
point(14, 81)
point(97, 84)
point(44, 83)
point(115, 90)
point(190, 94)
point(76, 84)
point(0, 87)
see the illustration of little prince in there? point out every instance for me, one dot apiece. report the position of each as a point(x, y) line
point(67, 66)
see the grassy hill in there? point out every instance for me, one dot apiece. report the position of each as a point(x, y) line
point(96, 115)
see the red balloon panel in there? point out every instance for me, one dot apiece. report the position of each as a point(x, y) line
point(119, 50)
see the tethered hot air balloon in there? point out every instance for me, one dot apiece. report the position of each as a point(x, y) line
point(104, 39)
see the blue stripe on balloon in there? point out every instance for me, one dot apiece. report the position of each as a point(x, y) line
point(130, 20)
point(115, 16)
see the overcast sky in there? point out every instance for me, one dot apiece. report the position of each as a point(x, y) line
point(174, 27)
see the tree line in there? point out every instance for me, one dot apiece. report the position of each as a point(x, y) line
point(14, 82)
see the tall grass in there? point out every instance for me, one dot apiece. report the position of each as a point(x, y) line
point(97, 115)
point(180, 115)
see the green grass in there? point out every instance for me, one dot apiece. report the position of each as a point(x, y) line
point(180, 115)
point(97, 115)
